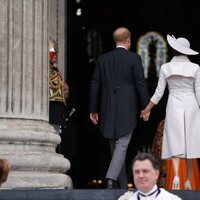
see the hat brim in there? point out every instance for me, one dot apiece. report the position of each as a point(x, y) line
point(180, 48)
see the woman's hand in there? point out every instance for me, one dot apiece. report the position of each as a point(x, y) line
point(145, 114)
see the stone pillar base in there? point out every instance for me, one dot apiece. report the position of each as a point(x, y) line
point(37, 180)
point(29, 146)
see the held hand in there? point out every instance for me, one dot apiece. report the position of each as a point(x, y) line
point(145, 114)
point(94, 117)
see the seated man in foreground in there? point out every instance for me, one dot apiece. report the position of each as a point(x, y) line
point(145, 170)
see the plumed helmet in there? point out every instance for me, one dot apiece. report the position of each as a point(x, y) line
point(53, 46)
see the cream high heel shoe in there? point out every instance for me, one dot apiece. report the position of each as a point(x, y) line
point(176, 183)
point(187, 185)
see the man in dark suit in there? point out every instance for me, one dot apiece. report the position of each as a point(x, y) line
point(116, 85)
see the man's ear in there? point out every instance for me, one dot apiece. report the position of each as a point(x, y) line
point(157, 173)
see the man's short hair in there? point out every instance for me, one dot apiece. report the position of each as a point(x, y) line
point(121, 34)
point(146, 156)
point(4, 170)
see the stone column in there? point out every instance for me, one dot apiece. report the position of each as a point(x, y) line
point(26, 138)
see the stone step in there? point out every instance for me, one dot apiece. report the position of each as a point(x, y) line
point(79, 194)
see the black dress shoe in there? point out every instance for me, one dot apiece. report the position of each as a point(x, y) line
point(111, 184)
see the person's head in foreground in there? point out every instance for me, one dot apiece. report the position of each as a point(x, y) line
point(4, 170)
point(145, 169)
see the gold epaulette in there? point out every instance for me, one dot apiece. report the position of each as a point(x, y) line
point(56, 86)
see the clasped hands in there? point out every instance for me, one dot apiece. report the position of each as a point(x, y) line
point(94, 117)
point(145, 114)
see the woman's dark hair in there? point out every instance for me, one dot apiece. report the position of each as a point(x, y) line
point(146, 156)
point(177, 53)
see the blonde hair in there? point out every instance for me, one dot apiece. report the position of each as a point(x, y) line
point(121, 34)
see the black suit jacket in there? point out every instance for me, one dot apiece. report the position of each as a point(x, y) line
point(116, 85)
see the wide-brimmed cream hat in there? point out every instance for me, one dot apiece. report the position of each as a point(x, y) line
point(181, 45)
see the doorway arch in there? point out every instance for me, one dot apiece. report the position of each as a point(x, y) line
point(143, 49)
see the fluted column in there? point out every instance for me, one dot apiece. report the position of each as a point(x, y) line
point(26, 138)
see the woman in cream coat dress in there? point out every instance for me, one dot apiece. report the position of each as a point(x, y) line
point(181, 136)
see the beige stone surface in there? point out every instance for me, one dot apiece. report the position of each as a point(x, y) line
point(27, 139)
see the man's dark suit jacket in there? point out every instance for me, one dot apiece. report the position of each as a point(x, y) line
point(116, 85)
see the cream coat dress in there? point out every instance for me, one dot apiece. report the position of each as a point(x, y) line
point(181, 136)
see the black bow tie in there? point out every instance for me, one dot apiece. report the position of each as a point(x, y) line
point(140, 194)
